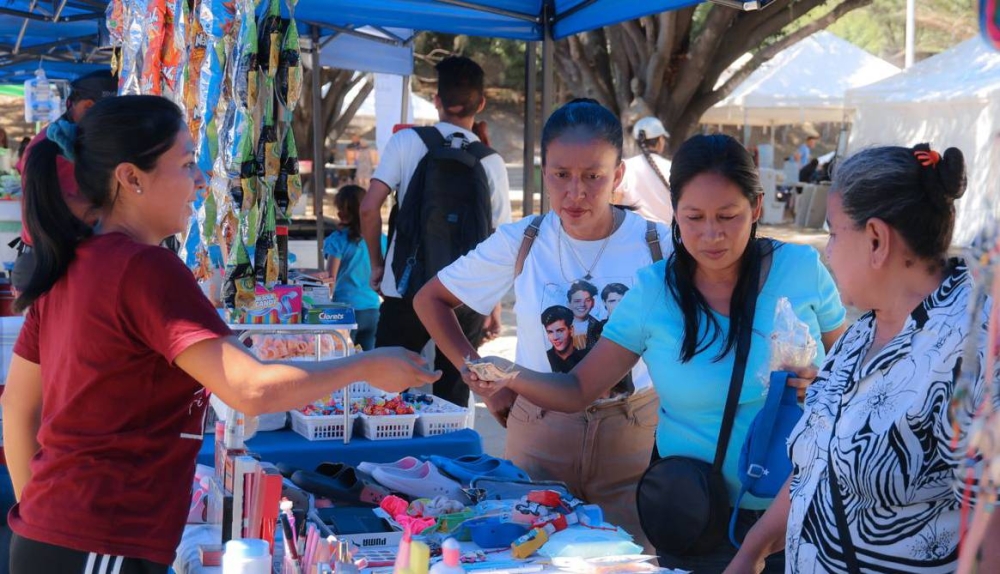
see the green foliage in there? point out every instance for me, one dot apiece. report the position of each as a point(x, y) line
point(881, 27)
point(502, 60)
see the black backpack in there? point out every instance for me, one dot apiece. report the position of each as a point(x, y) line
point(446, 211)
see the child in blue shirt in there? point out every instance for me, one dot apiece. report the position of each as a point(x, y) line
point(349, 267)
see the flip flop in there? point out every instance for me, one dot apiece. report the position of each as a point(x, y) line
point(331, 469)
point(345, 487)
point(286, 469)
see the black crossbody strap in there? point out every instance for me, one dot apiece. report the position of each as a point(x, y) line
point(840, 512)
point(739, 366)
point(846, 543)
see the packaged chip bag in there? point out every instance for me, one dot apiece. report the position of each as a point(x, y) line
point(154, 35)
point(238, 288)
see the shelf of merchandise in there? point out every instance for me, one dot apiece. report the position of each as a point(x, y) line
point(246, 330)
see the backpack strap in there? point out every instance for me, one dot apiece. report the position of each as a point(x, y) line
point(653, 241)
point(530, 233)
point(430, 135)
point(480, 150)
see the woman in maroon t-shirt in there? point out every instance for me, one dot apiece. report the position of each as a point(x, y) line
point(102, 467)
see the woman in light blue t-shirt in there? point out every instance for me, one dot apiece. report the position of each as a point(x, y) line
point(349, 267)
point(682, 318)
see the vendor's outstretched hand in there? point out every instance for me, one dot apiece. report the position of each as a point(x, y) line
point(394, 369)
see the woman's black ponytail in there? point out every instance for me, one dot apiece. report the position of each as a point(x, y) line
point(53, 228)
point(136, 130)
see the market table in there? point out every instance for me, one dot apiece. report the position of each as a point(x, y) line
point(292, 448)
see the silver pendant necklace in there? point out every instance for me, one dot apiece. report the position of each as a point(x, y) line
point(588, 275)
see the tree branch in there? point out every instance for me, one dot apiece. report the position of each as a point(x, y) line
point(621, 67)
point(774, 49)
point(657, 66)
point(338, 125)
point(591, 82)
point(689, 77)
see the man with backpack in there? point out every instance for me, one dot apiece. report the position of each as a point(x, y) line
point(451, 193)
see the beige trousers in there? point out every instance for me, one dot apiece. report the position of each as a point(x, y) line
point(600, 452)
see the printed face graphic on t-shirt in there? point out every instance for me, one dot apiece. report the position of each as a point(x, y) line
point(611, 302)
point(560, 335)
point(581, 302)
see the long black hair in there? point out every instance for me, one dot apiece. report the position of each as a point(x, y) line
point(349, 199)
point(722, 155)
point(127, 129)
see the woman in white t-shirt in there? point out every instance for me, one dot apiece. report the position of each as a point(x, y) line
point(581, 247)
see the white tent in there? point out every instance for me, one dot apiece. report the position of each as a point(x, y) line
point(804, 83)
point(949, 100)
point(421, 110)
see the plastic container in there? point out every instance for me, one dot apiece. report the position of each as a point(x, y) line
point(321, 427)
point(42, 101)
point(387, 427)
point(433, 424)
point(246, 556)
point(361, 389)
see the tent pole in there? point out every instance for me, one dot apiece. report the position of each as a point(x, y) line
point(319, 169)
point(547, 85)
point(530, 89)
point(746, 130)
point(405, 109)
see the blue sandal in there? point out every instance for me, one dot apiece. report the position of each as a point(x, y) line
point(468, 467)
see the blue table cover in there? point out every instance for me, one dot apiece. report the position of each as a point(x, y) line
point(292, 448)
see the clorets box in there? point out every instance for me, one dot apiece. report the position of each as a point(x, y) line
point(332, 314)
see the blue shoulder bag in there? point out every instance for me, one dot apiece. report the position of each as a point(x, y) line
point(764, 464)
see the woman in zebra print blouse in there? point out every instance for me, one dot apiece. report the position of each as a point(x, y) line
point(877, 426)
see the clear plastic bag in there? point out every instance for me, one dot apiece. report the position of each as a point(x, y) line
point(792, 345)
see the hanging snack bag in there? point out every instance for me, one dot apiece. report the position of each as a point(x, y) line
point(174, 56)
point(290, 69)
point(269, 34)
point(131, 48)
point(268, 152)
point(243, 75)
point(238, 289)
point(152, 47)
point(266, 241)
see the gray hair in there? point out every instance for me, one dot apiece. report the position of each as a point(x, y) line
point(912, 189)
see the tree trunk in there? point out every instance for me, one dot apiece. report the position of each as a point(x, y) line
point(334, 123)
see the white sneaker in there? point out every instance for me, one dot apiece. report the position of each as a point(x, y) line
point(404, 463)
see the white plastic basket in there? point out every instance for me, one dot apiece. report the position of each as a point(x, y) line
point(387, 427)
point(321, 427)
point(433, 424)
point(359, 389)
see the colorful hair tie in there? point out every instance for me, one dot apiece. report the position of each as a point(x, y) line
point(927, 158)
point(63, 133)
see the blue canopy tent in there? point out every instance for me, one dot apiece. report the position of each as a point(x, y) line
point(529, 20)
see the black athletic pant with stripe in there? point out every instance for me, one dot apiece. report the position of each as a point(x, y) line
point(30, 557)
